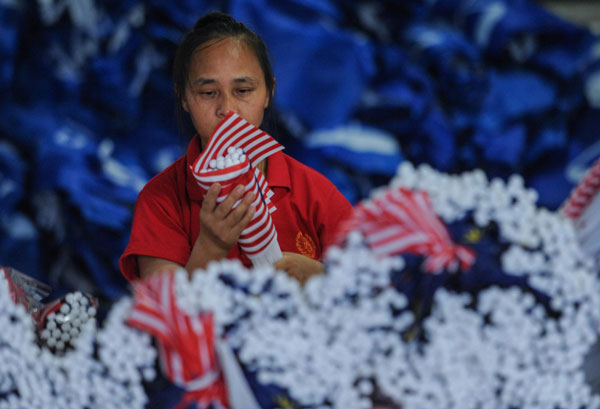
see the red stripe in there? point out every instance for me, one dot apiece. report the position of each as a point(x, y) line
point(215, 141)
point(189, 342)
point(261, 243)
point(403, 221)
point(257, 144)
point(584, 192)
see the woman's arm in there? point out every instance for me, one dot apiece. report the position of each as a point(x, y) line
point(148, 265)
point(220, 228)
point(331, 209)
point(298, 266)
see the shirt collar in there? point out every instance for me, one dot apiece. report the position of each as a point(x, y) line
point(191, 155)
point(278, 172)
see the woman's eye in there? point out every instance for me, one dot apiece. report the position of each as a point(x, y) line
point(244, 91)
point(208, 93)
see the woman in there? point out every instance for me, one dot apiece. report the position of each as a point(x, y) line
point(222, 65)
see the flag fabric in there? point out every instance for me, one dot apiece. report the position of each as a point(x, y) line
point(583, 192)
point(259, 239)
point(186, 344)
point(404, 221)
point(583, 207)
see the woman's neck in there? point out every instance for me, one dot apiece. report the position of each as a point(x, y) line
point(262, 166)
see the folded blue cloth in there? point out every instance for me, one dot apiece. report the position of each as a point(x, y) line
point(436, 142)
point(400, 95)
point(505, 146)
point(69, 160)
point(454, 63)
point(12, 178)
point(493, 24)
point(516, 94)
point(19, 244)
point(321, 69)
point(9, 18)
point(366, 150)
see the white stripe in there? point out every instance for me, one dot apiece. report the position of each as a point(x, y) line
point(177, 367)
point(202, 382)
point(165, 298)
point(356, 138)
point(239, 391)
point(488, 20)
point(255, 225)
point(268, 153)
point(215, 134)
point(398, 245)
point(149, 320)
point(401, 214)
point(385, 233)
point(263, 186)
point(247, 142)
point(217, 141)
point(208, 177)
point(261, 245)
point(253, 237)
point(251, 151)
point(203, 346)
point(431, 218)
point(233, 140)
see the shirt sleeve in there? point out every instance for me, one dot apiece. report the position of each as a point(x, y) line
point(157, 230)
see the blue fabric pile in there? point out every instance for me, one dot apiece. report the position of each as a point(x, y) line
point(87, 111)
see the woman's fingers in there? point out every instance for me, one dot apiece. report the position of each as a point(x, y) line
point(241, 211)
point(245, 219)
point(210, 199)
point(220, 221)
point(223, 209)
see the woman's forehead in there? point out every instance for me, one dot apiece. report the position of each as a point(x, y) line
point(225, 55)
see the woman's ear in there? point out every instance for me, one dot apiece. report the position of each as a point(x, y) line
point(268, 101)
point(182, 100)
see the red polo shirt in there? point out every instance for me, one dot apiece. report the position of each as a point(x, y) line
point(166, 220)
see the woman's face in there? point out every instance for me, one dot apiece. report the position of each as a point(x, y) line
point(224, 76)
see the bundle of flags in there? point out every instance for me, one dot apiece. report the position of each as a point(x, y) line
point(583, 207)
point(404, 221)
point(186, 343)
point(259, 239)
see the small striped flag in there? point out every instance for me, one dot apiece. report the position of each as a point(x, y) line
point(404, 221)
point(259, 238)
point(186, 343)
point(584, 192)
point(583, 207)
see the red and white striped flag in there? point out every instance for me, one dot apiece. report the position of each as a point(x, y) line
point(404, 221)
point(259, 238)
point(186, 343)
point(583, 207)
point(584, 192)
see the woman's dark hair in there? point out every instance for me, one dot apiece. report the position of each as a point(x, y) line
point(212, 27)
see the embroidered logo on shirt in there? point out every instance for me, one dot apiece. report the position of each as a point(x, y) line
point(306, 245)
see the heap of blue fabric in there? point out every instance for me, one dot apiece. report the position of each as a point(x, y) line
point(87, 109)
point(70, 115)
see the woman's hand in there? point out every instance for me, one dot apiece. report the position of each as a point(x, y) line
point(220, 225)
point(220, 228)
point(298, 266)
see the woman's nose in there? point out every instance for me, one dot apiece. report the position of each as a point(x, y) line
point(225, 105)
